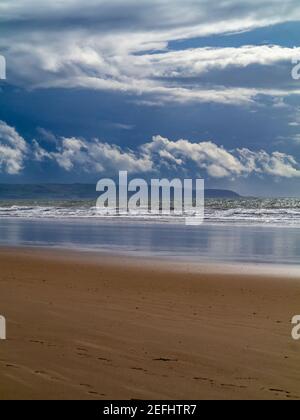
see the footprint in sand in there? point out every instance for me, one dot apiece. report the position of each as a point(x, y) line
point(37, 342)
point(139, 369)
point(205, 380)
point(8, 365)
point(91, 391)
point(103, 359)
point(280, 392)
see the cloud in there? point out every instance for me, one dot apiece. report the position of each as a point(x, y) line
point(94, 157)
point(275, 164)
point(205, 158)
point(217, 162)
point(196, 61)
point(163, 18)
point(160, 155)
point(122, 46)
point(13, 150)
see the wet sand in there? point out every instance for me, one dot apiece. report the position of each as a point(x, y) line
point(87, 327)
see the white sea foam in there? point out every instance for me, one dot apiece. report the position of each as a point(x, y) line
point(278, 212)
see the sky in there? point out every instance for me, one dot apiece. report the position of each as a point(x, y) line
point(160, 88)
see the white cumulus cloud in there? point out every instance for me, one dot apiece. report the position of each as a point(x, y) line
point(94, 156)
point(160, 155)
point(13, 150)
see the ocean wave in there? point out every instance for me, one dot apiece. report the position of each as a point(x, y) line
point(223, 211)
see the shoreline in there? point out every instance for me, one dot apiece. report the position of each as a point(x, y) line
point(167, 263)
point(81, 327)
point(206, 244)
point(157, 221)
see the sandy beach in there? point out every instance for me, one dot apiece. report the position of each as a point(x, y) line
point(93, 327)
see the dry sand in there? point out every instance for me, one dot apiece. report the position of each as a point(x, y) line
point(82, 327)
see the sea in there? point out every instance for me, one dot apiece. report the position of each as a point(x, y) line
point(235, 230)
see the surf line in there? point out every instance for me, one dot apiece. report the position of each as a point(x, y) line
point(2, 328)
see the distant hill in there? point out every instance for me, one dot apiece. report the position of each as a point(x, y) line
point(47, 191)
point(73, 192)
point(221, 194)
